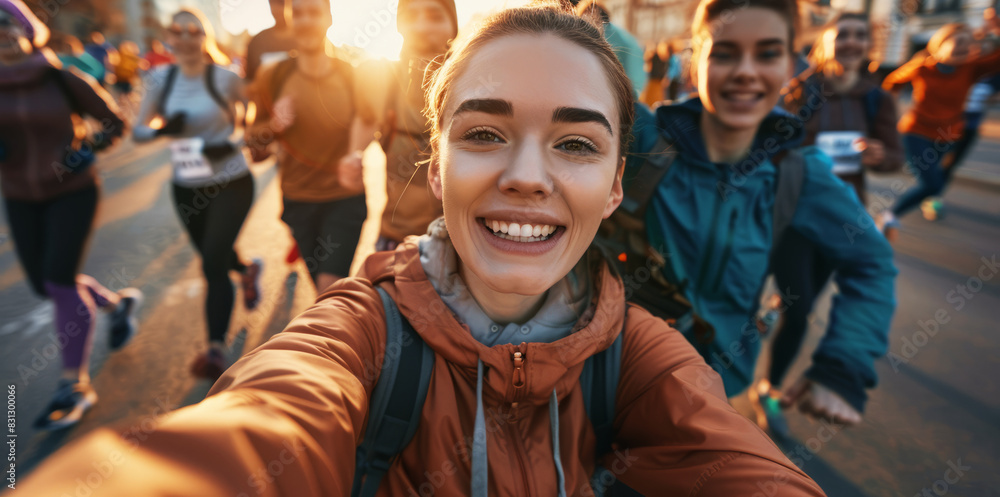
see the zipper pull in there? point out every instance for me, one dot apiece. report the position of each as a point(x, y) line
point(518, 369)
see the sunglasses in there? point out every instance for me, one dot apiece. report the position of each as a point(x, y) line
point(192, 30)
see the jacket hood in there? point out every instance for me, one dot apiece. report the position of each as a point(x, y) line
point(681, 124)
point(556, 365)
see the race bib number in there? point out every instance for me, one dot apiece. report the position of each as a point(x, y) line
point(844, 147)
point(189, 163)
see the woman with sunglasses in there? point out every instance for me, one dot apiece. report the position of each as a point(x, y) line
point(511, 300)
point(195, 102)
point(50, 192)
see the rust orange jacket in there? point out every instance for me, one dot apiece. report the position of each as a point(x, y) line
point(939, 97)
point(285, 419)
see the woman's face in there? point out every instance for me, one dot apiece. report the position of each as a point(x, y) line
point(528, 161)
point(851, 44)
point(742, 66)
point(186, 36)
point(956, 49)
point(14, 44)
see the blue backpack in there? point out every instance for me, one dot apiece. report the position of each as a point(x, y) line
point(398, 399)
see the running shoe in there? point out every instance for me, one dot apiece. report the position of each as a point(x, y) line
point(123, 319)
point(71, 401)
point(932, 208)
point(770, 416)
point(251, 283)
point(210, 365)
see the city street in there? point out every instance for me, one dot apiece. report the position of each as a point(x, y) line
point(932, 421)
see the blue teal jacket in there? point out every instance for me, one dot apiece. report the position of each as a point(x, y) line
point(713, 223)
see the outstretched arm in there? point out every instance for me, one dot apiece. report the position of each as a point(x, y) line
point(284, 420)
point(677, 433)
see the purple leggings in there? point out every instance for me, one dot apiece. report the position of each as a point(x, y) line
point(49, 237)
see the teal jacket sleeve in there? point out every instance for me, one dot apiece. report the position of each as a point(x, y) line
point(830, 215)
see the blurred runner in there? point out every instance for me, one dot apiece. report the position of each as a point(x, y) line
point(195, 103)
point(657, 63)
point(268, 47)
point(126, 72)
point(50, 194)
point(851, 119)
point(272, 44)
point(942, 77)
point(713, 213)
point(975, 109)
point(393, 102)
point(104, 52)
point(71, 53)
point(157, 55)
point(306, 104)
point(626, 47)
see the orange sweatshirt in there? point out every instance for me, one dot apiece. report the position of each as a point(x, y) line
point(285, 419)
point(938, 97)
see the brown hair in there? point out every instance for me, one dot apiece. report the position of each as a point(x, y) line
point(539, 19)
point(711, 12)
point(942, 35)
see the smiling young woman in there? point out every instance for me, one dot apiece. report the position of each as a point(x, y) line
point(713, 212)
point(507, 296)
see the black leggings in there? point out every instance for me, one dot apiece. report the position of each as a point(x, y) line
point(800, 272)
point(50, 236)
point(213, 216)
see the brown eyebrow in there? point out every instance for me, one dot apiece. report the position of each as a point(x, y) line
point(771, 41)
point(577, 115)
point(733, 44)
point(493, 106)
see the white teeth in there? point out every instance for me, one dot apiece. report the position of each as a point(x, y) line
point(519, 232)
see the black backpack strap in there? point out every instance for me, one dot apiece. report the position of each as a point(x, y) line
point(396, 402)
point(599, 383)
point(791, 176)
point(642, 185)
point(59, 78)
point(168, 84)
point(873, 100)
point(213, 90)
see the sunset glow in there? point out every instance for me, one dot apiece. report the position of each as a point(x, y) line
point(367, 25)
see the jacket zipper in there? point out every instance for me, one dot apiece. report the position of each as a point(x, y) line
point(518, 380)
point(709, 249)
point(726, 253)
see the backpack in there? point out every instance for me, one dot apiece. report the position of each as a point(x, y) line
point(399, 394)
point(649, 279)
point(168, 84)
